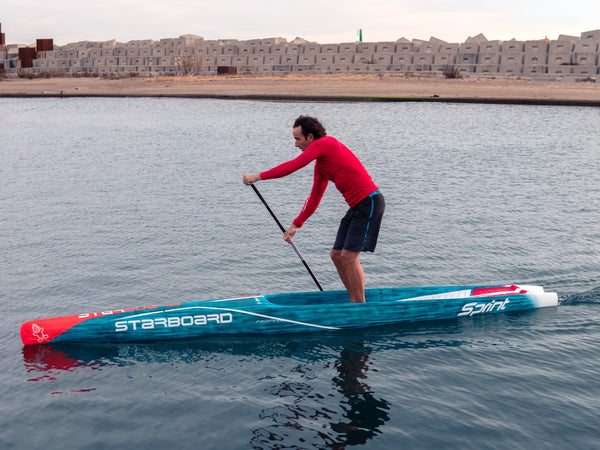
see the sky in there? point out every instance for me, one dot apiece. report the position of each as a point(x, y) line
point(322, 21)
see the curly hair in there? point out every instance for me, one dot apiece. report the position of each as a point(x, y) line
point(310, 125)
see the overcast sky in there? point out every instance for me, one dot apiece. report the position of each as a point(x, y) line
point(323, 21)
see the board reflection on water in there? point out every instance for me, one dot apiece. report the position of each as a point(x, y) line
point(323, 396)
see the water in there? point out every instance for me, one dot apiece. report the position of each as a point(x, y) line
point(108, 203)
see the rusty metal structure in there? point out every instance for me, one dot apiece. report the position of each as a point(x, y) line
point(2, 39)
point(226, 70)
point(26, 57)
point(44, 45)
point(17, 57)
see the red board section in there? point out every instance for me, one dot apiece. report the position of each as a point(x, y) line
point(499, 290)
point(43, 331)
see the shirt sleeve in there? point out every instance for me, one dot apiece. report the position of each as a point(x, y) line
point(311, 153)
point(314, 198)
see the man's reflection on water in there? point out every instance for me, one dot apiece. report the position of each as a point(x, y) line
point(363, 413)
point(307, 420)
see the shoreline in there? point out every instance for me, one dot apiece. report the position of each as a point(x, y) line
point(330, 88)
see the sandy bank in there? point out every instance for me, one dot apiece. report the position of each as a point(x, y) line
point(341, 87)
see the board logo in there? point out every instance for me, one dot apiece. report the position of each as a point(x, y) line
point(173, 322)
point(470, 309)
point(38, 333)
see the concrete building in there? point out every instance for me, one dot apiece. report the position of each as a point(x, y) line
point(567, 57)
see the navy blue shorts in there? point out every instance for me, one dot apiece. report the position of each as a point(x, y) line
point(359, 228)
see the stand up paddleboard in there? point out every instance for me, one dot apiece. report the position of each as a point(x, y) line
point(296, 312)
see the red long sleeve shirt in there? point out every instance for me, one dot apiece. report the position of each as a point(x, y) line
point(335, 162)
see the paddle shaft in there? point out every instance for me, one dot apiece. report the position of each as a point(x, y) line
point(291, 242)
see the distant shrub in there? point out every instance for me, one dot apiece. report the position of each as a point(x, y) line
point(51, 74)
point(84, 75)
point(451, 72)
point(189, 65)
point(27, 75)
point(48, 74)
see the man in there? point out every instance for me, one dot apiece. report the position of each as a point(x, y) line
point(359, 228)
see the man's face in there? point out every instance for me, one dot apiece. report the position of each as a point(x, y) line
point(300, 140)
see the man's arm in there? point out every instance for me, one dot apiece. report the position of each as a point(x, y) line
point(313, 200)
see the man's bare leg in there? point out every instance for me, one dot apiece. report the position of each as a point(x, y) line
point(351, 273)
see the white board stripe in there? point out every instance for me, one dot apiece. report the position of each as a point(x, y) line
point(281, 319)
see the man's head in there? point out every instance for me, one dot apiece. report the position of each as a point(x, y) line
point(306, 130)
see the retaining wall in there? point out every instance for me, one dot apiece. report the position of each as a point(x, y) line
point(568, 56)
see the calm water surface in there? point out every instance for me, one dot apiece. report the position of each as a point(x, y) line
point(111, 203)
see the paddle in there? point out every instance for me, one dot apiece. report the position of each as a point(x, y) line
point(291, 243)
